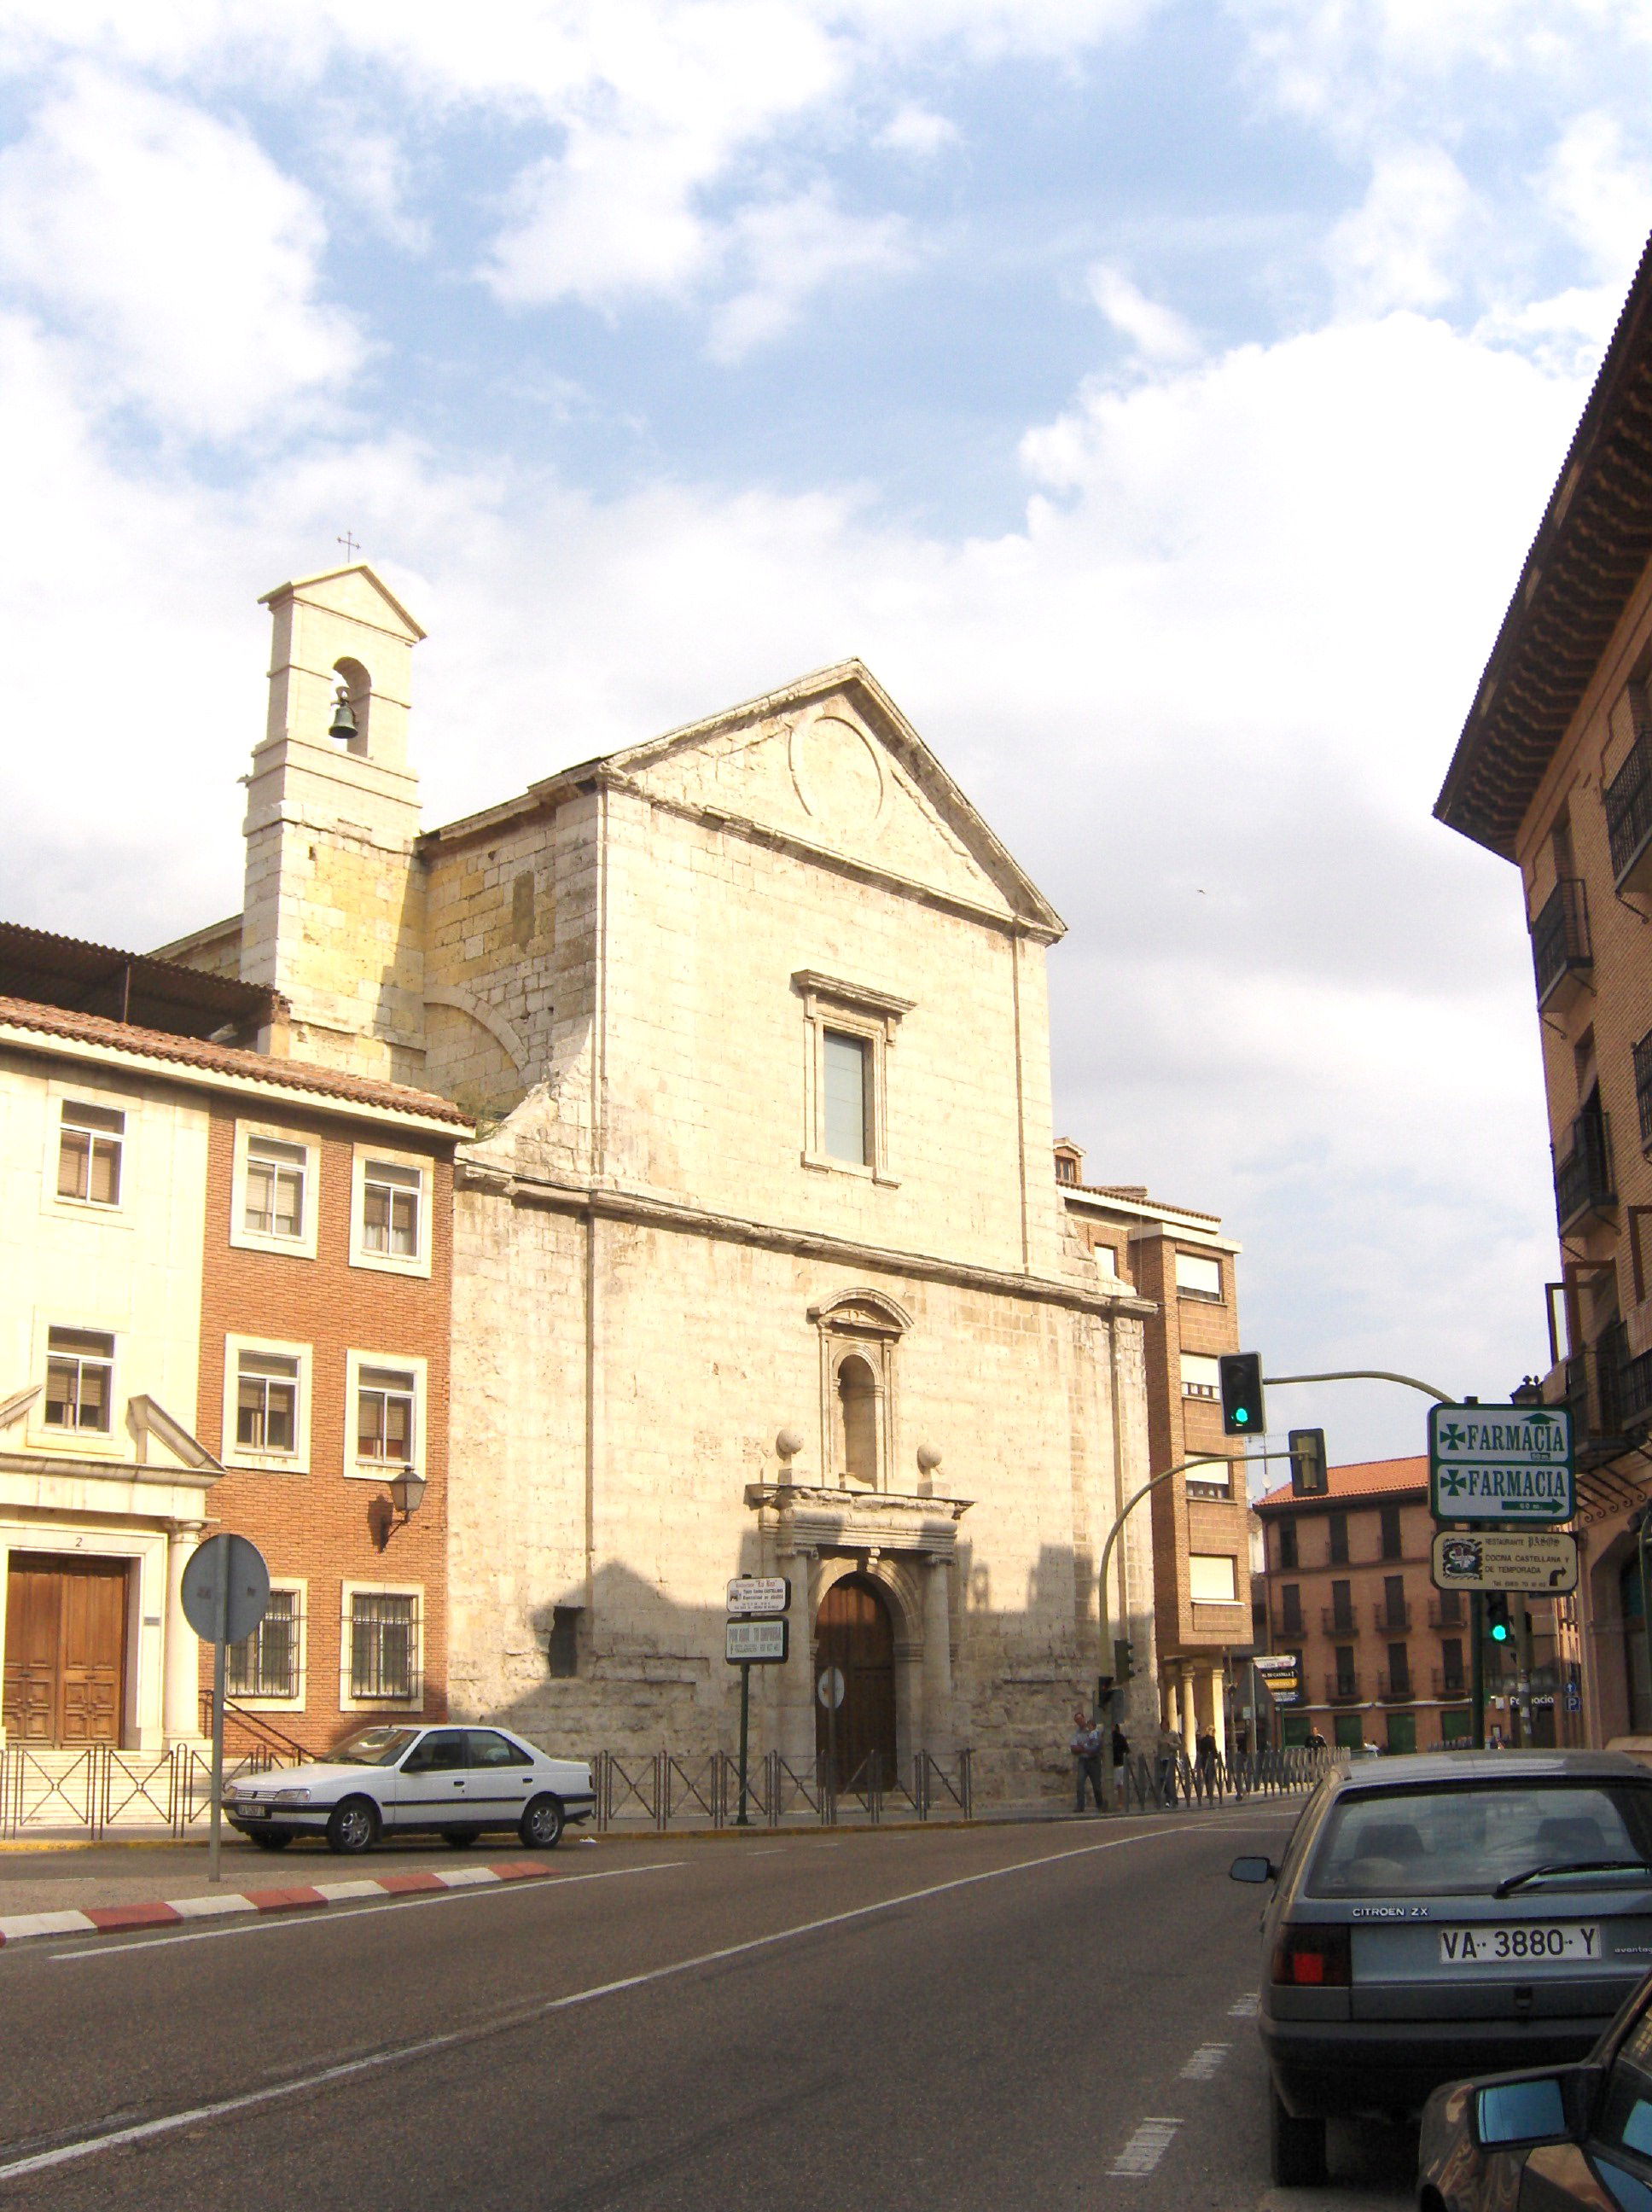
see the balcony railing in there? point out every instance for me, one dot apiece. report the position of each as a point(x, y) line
point(1289, 1628)
point(1342, 1689)
point(1583, 1180)
point(1450, 1682)
point(1384, 1615)
point(1337, 1622)
point(1395, 1689)
point(1629, 811)
point(1447, 1610)
point(1560, 938)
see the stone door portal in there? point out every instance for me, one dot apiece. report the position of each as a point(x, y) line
point(854, 1633)
point(65, 1650)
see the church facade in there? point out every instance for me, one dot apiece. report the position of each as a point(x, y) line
point(760, 1265)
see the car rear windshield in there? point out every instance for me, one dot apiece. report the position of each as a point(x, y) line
point(1462, 1840)
point(374, 1746)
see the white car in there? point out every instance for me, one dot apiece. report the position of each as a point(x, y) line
point(389, 1782)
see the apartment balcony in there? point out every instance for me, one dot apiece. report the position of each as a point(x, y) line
point(1449, 1610)
point(1561, 954)
point(1450, 1682)
point(1391, 1620)
point(1395, 1689)
point(1628, 799)
point(1335, 1622)
point(1286, 1630)
point(1342, 1690)
point(1583, 1180)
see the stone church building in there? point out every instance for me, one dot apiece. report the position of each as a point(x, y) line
point(760, 1263)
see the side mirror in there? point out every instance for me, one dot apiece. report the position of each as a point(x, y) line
point(1534, 2108)
point(1252, 1869)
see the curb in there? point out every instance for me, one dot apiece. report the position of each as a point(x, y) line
point(121, 1919)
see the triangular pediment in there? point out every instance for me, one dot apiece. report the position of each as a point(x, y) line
point(357, 591)
point(830, 763)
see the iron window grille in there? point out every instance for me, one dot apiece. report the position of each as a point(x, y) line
point(1582, 1176)
point(80, 1372)
point(1628, 799)
point(89, 1149)
point(265, 1664)
point(383, 1646)
point(1560, 936)
point(1643, 1088)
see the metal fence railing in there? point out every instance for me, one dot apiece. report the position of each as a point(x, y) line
point(1160, 1783)
point(96, 1787)
point(662, 1790)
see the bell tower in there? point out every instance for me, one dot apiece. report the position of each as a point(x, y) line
point(334, 914)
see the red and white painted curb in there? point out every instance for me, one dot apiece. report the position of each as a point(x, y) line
point(121, 1919)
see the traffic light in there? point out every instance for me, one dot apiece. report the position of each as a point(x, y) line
point(1124, 1660)
point(1240, 1374)
point(1499, 1626)
point(1309, 1475)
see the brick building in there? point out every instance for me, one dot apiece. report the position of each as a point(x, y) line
point(1383, 1657)
point(226, 1306)
point(1553, 773)
point(1180, 1260)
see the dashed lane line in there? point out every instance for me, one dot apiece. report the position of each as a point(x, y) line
point(1142, 2154)
point(1248, 2007)
point(399, 2054)
point(1205, 2063)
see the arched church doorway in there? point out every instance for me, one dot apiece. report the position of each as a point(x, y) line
point(854, 1633)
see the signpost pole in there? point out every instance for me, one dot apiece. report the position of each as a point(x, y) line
point(742, 1818)
point(1477, 1637)
point(220, 1641)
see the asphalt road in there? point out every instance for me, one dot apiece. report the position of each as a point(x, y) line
point(962, 2019)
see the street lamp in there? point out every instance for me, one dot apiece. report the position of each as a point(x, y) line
point(407, 1493)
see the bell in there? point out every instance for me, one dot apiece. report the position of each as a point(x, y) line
point(343, 725)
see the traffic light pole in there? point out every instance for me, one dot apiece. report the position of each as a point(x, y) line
point(1365, 1375)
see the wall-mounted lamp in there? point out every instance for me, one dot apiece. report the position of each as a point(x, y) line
point(407, 1493)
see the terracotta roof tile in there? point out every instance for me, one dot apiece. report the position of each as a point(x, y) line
point(230, 1060)
point(1366, 1478)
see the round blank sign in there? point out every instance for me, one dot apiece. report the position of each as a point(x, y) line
point(224, 1560)
point(830, 1688)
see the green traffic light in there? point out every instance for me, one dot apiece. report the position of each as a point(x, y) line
point(1499, 1633)
point(1242, 1415)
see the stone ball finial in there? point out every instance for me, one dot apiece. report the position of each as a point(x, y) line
point(928, 1459)
point(789, 1444)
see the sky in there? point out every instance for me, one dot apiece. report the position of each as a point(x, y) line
point(1158, 395)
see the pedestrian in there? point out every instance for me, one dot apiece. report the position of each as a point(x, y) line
point(1204, 1760)
point(1087, 1741)
point(1167, 1757)
point(1316, 1742)
point(1121, 1745)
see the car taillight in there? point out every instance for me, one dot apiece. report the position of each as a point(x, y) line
point(1313, 1959)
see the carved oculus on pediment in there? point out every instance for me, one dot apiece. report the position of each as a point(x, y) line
point(839, 776)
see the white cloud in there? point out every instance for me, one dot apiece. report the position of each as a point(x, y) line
point(173, 244)
point(1400, 248)
point(1157, 333)
point(789, 250)
point(917, 131)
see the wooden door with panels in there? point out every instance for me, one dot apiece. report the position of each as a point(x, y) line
point(854, 1633)
point(65, 1659)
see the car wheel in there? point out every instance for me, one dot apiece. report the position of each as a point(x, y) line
point(541, 1825)
point(459, 1839)
point(1296, 2148)
point(353, 1826)
point(268, 1841)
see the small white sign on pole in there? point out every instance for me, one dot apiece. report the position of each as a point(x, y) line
point(756, 1643)
point(759, 1594)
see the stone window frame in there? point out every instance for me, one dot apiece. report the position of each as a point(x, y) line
point(233, 1453)
point(862, 1324)
point(392, 1263)
point(61, 1090)
point(304, 1246)
point(853, 1009)
point(110, 1444)
point(383, 1471)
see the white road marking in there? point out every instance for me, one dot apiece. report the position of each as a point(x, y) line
point(1205, 2061)
point(146, 2130)
point(274, 1924)
point(1248, 2007)
point(1142, 2154)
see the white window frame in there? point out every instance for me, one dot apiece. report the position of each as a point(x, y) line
point(378, 1470)
point(1207, 1389)
point(348, 1702)
point(392, 1263)
point(235, 1454)
point(1216, 1297)
point(63, 1090)
point(1223, 1558)
point(78, 1444)
point(244, 1239)
point(1213, 1474)
point(300, 1589)
point(873, 1017)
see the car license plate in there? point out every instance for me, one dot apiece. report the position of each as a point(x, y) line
point(253, 1812)
point(1520, 1946)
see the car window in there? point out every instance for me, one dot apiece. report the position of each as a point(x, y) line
point(1465, 1838)
point(489, 1748)
point(442, 1749)
point(374, 1746)
point(1623, 2120)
